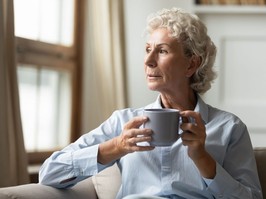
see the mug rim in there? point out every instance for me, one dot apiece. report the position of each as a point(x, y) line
point(161, 110)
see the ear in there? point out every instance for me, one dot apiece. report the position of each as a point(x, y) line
point(195, 62)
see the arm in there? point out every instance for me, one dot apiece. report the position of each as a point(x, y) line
point(78, 160)
point(236, 175)
point(93, 152)
point(73, 164)
point(194, 137)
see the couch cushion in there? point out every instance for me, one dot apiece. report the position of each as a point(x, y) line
point(107, 182)
point(260, 154)
point(82, 190)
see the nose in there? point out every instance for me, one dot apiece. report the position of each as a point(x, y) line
point(150, 59)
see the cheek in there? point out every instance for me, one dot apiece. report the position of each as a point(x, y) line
point(170, 68)
point(175, 73)
point(145, 69)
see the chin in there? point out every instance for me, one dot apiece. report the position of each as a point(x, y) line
point(153, 87)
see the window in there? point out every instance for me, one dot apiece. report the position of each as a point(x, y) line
point(48, 59)
point(45, 97)
point(50, 21)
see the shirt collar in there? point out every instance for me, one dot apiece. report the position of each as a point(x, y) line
point(201, 107)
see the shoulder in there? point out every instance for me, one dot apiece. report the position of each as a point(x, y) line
point(227, 123)
point(214, 115)
point(223, 116)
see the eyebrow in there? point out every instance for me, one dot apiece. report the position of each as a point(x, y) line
point(161, 44)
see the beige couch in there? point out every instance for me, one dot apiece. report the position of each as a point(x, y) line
point(102, 186)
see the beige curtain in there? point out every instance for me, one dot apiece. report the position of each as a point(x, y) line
point(13, 159)
point(106, 65)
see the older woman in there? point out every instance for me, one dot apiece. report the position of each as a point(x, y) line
point(214, 157)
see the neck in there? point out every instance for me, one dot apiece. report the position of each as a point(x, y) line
point(180, 102)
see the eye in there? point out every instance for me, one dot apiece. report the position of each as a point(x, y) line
point(163, 51)
point(148, 49)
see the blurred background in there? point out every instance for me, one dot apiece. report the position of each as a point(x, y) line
point(79, 60)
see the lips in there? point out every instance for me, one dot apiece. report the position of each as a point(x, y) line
point(153, 76)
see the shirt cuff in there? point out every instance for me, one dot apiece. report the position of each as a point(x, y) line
point(85, 161)
point(222, 183)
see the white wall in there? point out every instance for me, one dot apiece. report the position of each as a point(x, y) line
point(241, 84)
point(136, 12)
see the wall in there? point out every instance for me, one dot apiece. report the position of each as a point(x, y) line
point(241, 84)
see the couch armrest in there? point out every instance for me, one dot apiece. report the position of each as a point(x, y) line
point(260, 155)
point(82, 190)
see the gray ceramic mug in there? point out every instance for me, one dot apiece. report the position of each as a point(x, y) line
point(164, 124)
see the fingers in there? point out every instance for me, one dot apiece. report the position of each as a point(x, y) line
point(192, 117)
point(132, 135)
point(136, 122)
point(191, 121)
point(135, 136)
point(194, 131)
point(132, 145)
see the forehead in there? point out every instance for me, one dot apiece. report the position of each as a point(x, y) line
point(160, 36)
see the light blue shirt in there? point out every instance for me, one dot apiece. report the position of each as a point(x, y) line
point(165, 171)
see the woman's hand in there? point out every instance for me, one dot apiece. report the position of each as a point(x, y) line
point(194, 137)
point(126, 142)
point(194, 134)
point(132, 135)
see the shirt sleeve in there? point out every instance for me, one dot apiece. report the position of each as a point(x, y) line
point(65, 168)
point(78, 161)
point(237, 176)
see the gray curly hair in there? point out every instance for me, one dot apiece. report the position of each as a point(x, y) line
point(192, 33)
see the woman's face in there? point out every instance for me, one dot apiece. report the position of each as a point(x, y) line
point(166, 66)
